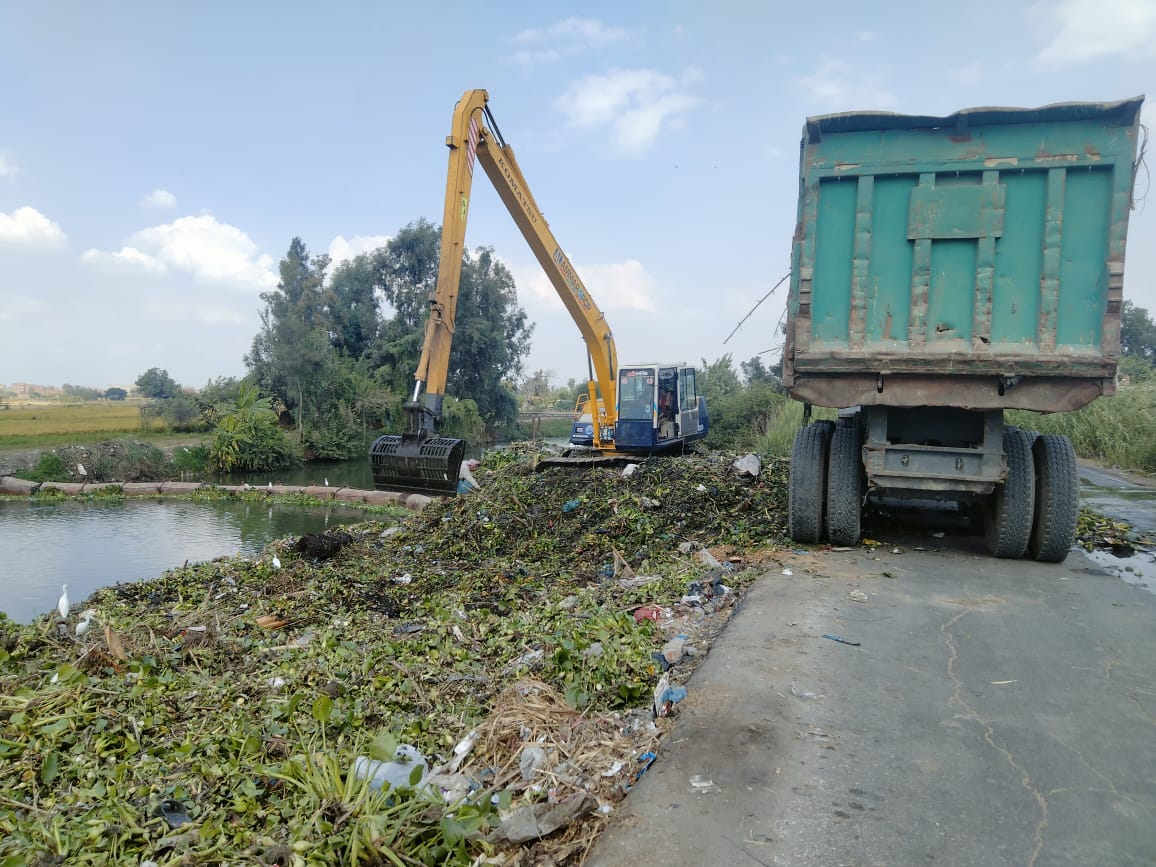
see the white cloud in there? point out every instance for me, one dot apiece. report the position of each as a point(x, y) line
point(341, 249)
point(211, 251)
point(617, 286)
point(836, 85)
point(635, 104)
point(1089, 29)
point(7, 167)
point(564, 38)
point(866, 35)
point(27, 227)
point(159, 200)
point(127, 258)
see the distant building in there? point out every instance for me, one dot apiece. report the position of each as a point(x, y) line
point(28, 389)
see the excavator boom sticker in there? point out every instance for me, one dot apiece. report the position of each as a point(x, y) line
point(472, 144)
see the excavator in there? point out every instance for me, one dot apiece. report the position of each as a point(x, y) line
point(638, 409)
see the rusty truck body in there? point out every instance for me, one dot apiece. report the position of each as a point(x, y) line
point(945, 269)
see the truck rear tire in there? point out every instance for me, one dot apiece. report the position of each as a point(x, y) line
point(1057, 505)
point(808, 482)
point(845, 484)
point(1009, 510)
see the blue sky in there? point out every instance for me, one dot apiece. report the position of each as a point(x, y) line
point(156, 158)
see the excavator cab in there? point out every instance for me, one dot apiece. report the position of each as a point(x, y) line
point(419, 461)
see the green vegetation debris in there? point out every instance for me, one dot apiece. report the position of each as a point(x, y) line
point(241, 693)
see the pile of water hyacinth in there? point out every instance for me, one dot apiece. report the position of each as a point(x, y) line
point(478, 682)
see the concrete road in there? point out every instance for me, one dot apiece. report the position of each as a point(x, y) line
point(996, 712)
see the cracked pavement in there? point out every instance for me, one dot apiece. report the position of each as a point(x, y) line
point(997, 712)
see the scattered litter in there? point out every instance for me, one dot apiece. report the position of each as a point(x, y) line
point(806, 695)
point(841, 640)
point(571, 505)
point(527, 659)
point(173, 812)
point(666, 697)
point(674, 649)
point(301, 640)
point(532, 758)
point(937, 535)
point(638, 581)
point(646, 759)
point(703, 784)
point(648, 612)
point(857, 596)
point(841, 548)
point(540, 820)
point(748, 465)
point(896, 550)
point(788, 572)
point(651, 503)
point(403, 579)
point(613, 770)
point(407, 628)
point(629, 470)
point(1002, 682)
point(708, 559)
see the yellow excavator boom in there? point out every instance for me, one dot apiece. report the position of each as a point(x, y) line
point(420, 460)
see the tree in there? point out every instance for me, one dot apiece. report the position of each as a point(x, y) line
point(1137, 332)
point(491, 334)
point(350, 302)
point(81, 392)
point(157, 384)
point(115, 393)
point(718, 379)
point(248, 438)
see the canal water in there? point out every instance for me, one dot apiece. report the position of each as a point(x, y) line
point(89, 545)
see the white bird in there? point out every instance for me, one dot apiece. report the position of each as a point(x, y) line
point(327, 481)
point(86, 622)
point(269, 487)
point(276, 562)
point(80, 469)
point(62, 605)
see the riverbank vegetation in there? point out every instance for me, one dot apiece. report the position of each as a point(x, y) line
point(220, 713)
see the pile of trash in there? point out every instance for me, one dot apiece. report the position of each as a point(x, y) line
point(481, 683)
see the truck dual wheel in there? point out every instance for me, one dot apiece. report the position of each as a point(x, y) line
point(845, 484)
point(1057, 498)
point(1008, 512)
point(808, 482)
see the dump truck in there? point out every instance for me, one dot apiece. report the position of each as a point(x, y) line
point(945, 270)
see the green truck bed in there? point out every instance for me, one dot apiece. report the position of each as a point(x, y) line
point(974, 260)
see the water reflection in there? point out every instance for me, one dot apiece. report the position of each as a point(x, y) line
point(89, 545)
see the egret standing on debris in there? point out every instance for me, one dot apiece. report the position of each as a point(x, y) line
point(269, 487)
point(85, 622)
point(62, 605)
point(276, 562)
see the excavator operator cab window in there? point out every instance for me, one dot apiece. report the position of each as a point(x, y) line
point(636, 393)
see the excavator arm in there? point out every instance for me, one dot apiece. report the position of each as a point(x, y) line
point(420, 460)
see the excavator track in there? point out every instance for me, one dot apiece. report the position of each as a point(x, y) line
point(573, 458)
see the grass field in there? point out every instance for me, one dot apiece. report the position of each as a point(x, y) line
point(56, 424)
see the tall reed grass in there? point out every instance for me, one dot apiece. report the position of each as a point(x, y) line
point(1119, 430)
